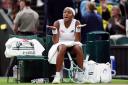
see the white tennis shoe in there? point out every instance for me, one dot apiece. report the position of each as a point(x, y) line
point(57, 79)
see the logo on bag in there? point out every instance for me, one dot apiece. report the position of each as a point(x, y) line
point(24, 46)
point(90, 73)
point(105, 70)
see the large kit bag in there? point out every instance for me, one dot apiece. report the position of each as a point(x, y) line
point(97, 72)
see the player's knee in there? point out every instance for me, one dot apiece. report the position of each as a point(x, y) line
point(62, 48)
point(77, 48)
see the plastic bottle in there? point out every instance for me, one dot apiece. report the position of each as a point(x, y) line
point(113, 65)
point(127, 27)
point(40, 80)
point(15, 71)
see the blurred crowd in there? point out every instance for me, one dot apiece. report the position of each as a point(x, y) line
point(107, 15)
point(10, 7)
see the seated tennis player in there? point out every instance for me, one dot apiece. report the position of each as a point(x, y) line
point(67, 29)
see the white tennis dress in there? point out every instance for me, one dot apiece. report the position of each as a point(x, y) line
point(66, 37)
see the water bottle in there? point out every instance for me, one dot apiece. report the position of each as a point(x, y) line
point(40, 80)
point(15, 72)
point(127, 27)
point(113, 65)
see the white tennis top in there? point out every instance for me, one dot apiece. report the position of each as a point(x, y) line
point(67, 34)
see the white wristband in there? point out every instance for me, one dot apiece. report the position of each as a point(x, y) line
point(54, 31)
point(78, 29)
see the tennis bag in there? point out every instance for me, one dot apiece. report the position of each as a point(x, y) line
point(97, 72)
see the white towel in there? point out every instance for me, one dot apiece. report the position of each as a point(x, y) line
point(22, 47)
point(52, 54)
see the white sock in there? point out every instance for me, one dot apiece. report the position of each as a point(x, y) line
point(58, 74)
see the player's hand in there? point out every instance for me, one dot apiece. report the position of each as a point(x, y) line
point(79, 26)
point(51, 27)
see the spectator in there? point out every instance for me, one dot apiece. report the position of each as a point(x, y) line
point(27, 20)
point(104, 9)
point(83, 8)
point(67, 30)
point(124, 8)
point(15, 8)
point(6, 6)
point(83, 4)
point(116, 23)
point(92, 19)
